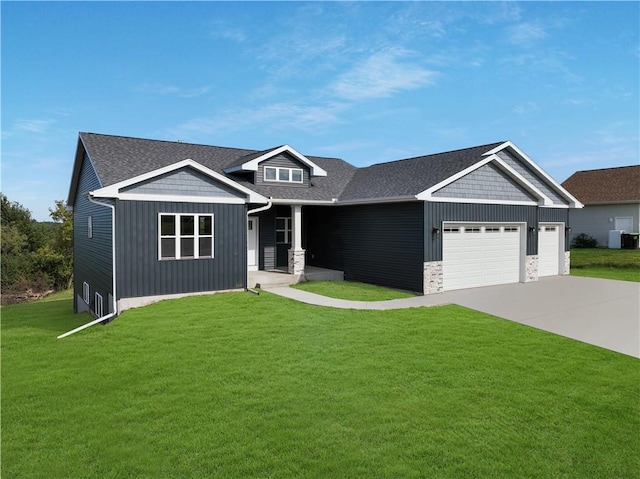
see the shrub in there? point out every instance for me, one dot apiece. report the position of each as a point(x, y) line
point(583, 240)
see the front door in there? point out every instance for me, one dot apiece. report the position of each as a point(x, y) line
point(252, 243)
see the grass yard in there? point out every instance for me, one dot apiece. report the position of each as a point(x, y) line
point(238, 385)
point(352, 290)
point(620, 264)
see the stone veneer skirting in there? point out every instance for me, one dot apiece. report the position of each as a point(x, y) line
point(296, 261)
point(432, 279)
point(567, 262)
point(531, 268)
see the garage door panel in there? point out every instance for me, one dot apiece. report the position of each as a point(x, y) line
point(480, 255)
point(549, 250)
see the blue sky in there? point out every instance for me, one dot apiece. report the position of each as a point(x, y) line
point(367, 82)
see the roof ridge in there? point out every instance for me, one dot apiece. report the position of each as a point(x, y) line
point(437, 154)
point(609, 168)
point(178, 142)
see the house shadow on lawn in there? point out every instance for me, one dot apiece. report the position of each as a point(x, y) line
point(52, 315)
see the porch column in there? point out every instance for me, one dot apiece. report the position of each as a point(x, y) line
point(296, 253)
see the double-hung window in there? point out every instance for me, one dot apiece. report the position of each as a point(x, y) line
point(185, 236)
point(285, 175)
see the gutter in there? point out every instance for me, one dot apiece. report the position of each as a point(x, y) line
point(113, 266)
point(262, 208)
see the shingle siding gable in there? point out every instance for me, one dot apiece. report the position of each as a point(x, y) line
point(185, 181)
point(487, 182)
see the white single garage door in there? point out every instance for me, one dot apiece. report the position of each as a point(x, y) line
point(480, 255)
point(548, 250)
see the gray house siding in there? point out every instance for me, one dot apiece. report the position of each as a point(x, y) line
point(598, 220)
point(92, 257)
point(267, 239)
point(284, 160)
point(380, 243)
point(185, 181)
point(141, 273)
point(436, 213)
point(487, 182)
point(532, 177)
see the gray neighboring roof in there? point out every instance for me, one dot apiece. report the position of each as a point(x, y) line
point(411, 176)
point(119, 158)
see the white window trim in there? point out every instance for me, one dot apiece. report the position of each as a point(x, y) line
point(86, 292)
point(196, 236)
point(90, 227)
point(99, 305)
point(278, 169)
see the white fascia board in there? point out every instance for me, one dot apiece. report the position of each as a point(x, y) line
point(285, 201)
point(178, 198)
point(252, 165)
point(113, 191)
point(427, 195)
point(383, 199)
point(568, 196)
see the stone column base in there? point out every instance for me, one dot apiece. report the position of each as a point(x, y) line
point(296, 261)
point(567, 263)
point(432, 279)
point(531, 268)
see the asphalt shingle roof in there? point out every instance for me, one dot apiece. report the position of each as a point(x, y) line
point(118, 158)
point(605, 185)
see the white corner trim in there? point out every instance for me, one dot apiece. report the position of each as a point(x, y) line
point(113, 191)
point(252, 165)
point(563, 192)
point(543, 200)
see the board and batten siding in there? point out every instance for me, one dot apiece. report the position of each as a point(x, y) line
point(435, 213)
point(284, 160)
point(379, 243)
point(92, 257)
point(141, 273)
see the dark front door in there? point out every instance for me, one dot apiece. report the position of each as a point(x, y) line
point(283, 241)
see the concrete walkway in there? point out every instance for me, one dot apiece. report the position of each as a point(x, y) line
point(601, 312)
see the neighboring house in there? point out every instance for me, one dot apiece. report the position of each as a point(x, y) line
point(159, 219)
point(611, 198)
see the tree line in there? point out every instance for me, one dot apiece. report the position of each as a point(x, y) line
point(36, 257)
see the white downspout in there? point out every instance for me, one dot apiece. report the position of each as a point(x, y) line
point(113, 272)
point(262, 208)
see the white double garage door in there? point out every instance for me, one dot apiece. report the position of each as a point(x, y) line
point(487, 254)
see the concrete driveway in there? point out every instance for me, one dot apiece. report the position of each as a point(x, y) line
point(601, 312)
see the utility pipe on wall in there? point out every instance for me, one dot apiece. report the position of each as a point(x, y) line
point(113, 272)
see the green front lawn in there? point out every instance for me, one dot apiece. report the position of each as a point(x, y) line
point(238, 385)
point(352, 290)
point(620, 264)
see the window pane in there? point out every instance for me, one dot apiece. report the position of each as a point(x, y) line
point(269, 173)
point(283, 174)
point(186, 225)
point(186, 248)
point(296, 175)
point(167, 248)
point(280, 223)
point(205, 247)
point(280, 237)
point(205, 225)
point(167, 225)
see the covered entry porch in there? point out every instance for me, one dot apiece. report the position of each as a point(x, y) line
point(275, 278)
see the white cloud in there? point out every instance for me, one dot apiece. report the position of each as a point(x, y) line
point(33, 126)
point(381, 75)
point(526, 108)
point(165, 90)
point(526, 33)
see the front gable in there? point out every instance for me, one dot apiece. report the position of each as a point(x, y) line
point(252, 162)
point(283, 170)
point(487, 182)
point(184, 181)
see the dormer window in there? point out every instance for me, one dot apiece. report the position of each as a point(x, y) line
point(284, 175)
